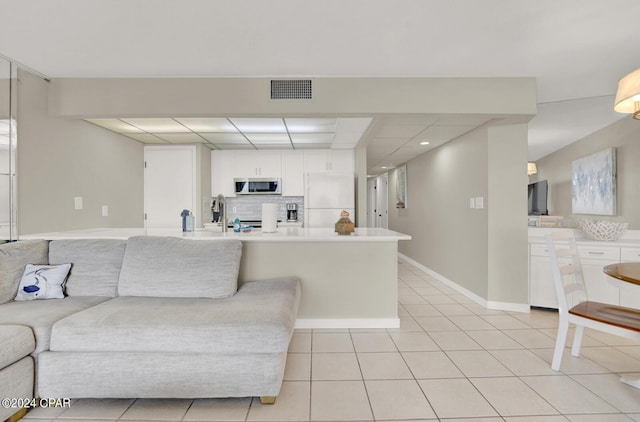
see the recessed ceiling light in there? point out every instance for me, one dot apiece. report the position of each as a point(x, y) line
point(384, 167)
point(424, 143)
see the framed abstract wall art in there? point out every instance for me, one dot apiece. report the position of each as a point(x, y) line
point(593, 184)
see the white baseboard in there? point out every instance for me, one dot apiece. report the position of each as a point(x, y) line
point(317, 323)
point(502, 306)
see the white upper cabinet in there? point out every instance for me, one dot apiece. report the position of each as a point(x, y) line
point(222, 173)
point(292, 173)
point(258, 164)
point(328, 160)
point(289, 165)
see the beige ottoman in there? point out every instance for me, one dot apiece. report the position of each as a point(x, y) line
point(16, 370)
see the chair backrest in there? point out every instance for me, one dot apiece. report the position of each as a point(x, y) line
point(566, 269)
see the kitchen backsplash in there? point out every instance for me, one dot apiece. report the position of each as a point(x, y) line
point(249, 207)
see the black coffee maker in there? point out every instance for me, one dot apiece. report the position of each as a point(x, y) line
point(292, 211)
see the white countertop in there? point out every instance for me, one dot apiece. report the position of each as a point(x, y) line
point(283, 234)
point(631, 238)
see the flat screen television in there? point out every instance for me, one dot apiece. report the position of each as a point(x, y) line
point(538, 198)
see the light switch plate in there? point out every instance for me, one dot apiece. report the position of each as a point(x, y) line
point(479, 200)
point(472, 203)
point(77, 202)
point(105, 210)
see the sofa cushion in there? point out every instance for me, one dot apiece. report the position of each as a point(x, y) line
point(40, 315)
point(96, 264)
point(13, 258)
point(173, 267)
point(16, 381)
point(43, 282)
point(259, 318)
point(17, 342)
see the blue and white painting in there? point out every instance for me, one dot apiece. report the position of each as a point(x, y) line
point(593, 180)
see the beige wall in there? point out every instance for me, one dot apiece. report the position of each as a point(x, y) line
point(59, 159)
point(250, 97)
point(482, 250)
point(507, 208)
point(624, 136)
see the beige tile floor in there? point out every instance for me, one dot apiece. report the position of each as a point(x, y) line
point(451, 360)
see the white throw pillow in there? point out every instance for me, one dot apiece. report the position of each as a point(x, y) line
point(43, 282)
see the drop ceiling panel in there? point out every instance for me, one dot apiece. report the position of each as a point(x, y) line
point(146, 138)
point(235, 146)
point(259, 125)
point(353, 124)
point(208, 124)
point(225, 138)
point(444, 133)
point(155, 125)
point(268, 138)
point(311, 138)
point(181, 138)
point(427, 120)
point(115, 125)
point(398, 131)
point(311, 125)
point(464, 120)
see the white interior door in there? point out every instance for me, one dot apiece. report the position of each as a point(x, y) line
point(371, 203)
point(169, 185)
point(382, 201)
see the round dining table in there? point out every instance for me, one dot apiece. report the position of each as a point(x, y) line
point(630, 273)
point(625, 271)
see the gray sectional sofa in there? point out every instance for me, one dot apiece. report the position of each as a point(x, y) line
point(147, 317)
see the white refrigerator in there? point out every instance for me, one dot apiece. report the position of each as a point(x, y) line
point(326, 195)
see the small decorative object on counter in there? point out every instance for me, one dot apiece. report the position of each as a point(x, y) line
point(345, 225)
point(188, 221)
point(236, 225)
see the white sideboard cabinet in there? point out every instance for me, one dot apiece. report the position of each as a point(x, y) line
point(594, 256)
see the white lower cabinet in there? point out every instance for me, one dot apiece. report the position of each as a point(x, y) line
point(593, 258)
point(542, 292)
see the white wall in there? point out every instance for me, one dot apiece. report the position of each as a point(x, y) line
point(59, 159)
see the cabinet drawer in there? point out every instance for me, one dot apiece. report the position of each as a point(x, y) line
point(539, 249)
point(599, 252)
point(629, 254)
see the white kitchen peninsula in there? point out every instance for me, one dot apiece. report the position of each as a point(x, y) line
point(347, 281)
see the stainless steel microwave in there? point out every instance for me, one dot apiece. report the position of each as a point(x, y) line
point(258, 186)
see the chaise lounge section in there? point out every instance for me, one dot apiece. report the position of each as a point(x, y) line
point(153, 317)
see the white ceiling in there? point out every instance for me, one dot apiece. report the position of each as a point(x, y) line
point(576, 49)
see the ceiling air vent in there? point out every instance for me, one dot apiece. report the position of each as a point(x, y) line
point(291, 89)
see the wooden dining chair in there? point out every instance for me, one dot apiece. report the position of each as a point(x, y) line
point(574, 306)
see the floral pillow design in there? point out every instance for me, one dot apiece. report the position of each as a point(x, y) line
point(43, 282)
